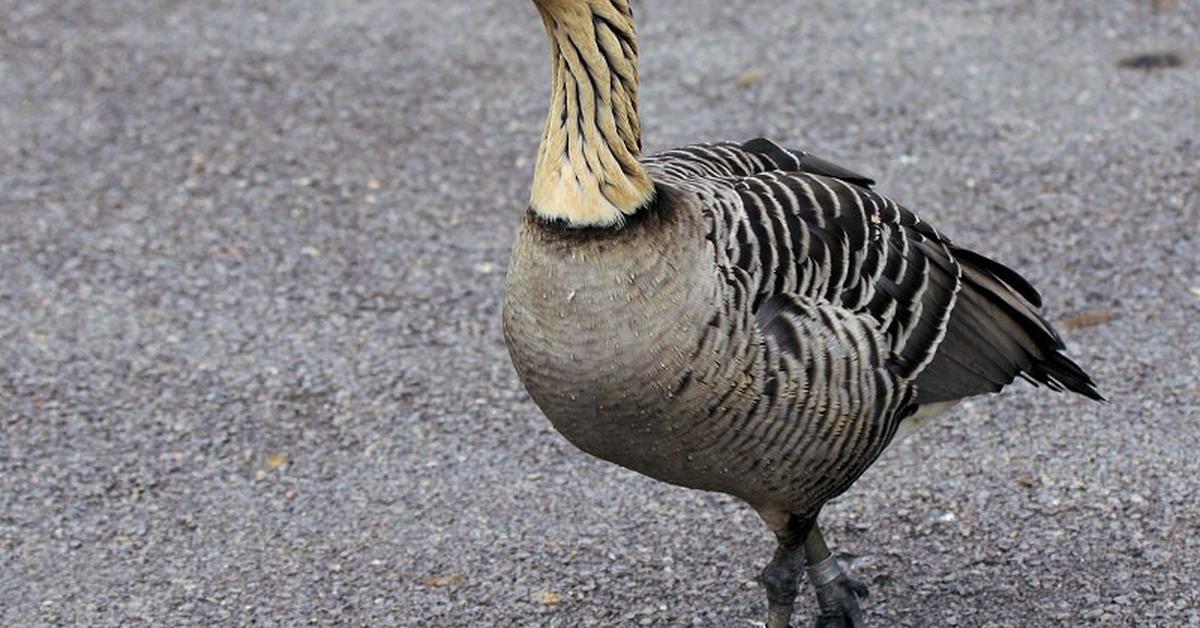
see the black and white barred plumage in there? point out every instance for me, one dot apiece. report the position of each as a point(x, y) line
point(871, 311)
point(801, 226)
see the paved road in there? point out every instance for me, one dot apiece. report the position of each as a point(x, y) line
point(251, 260)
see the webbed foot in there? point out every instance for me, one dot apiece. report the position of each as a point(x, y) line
point(837, 595)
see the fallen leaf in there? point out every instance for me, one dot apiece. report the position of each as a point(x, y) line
point(443, 581)
point(751, 78)
point(1026, 480)
point(1089, 318)
point(551, 599)
point(276, 460)
point(1195, 291)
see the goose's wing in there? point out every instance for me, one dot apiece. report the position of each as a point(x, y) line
point(996, 333)
point(957, 323)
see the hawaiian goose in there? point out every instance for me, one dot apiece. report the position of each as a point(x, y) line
point(743, 318)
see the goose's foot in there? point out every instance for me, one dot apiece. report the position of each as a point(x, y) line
point(781, 579)
point(837, 595)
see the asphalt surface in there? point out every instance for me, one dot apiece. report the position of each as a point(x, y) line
point(251, 265)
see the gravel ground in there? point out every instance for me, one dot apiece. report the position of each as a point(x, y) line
point(251, 263)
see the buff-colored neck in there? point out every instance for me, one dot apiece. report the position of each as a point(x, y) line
point(588, 172)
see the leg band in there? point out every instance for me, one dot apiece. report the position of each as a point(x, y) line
point(824, 572)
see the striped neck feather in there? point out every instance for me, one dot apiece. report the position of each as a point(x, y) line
point(587, 172)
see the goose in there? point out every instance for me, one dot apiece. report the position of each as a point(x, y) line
point(743, 317)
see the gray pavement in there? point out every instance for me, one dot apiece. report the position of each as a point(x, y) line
point(251, 263)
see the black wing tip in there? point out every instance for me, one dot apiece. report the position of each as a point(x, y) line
point(761, 145)
point(781, 157)
point(1059, 373)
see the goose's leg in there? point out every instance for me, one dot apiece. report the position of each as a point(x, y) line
point(781, 577)
point(837, 593)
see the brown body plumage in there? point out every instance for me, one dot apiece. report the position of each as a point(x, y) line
point(742, 318)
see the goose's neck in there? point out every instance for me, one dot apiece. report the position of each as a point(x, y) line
point(588, 173)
